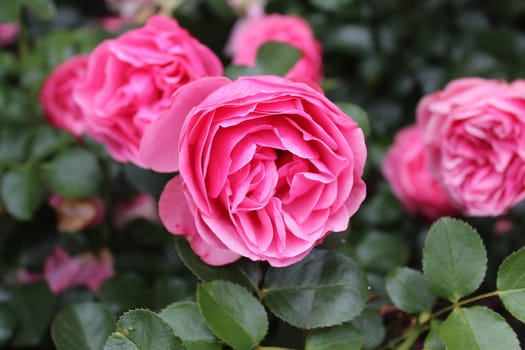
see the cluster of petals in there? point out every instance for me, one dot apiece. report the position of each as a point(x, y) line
point(474, 134)
point(252, 32)
point(268, 167)
point(405, 168)
point(114, 93)
point(8, 33)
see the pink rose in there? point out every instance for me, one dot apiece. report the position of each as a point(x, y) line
point(63, 271)
point(56, 95)
point(249, 35)
point(131, 79)
point(268, 167)
point(405, 168)
point(8, 33)
point(141, 206)
point(475, 135)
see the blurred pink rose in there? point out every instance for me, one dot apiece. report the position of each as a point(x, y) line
point(268, 167)
point(249, 35)
point(405, 168)
point(56, 95)
point(113, 24)
point(77, 214)
point(8, 33)
point(475, 135)
point(131, 79)
point(142, 206)
point(63, 271)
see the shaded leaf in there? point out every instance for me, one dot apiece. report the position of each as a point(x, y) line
point(454, 259)
point(187, 324)
point(324, 289)
point(343, 337)
point(124, 292)
point(357, 114)
point(232, 313)
point(22, 192)
point(83, 326)
point(73, 173)
point(370, 323)
point(7, 323)
point(511, 284)
point(408, 290)
point(142, 329)
point(477, 328)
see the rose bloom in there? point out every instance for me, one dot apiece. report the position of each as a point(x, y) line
point(405, 168)
point(56, 95)
point(249, 35)
point(475, 134)
point(8, 33)
point(268, 167)
point(63, 271)
point(131, 79)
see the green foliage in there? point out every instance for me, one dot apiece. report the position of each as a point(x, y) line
point(358, 114)
point(381, 252)
point(142, 329)
point(511, 284)
point(273, 58)
point(125, 292)
point(33, 306)
point(232, 313)
point(22, 192)
point(371, 326)
point(477, 328)
point(454, 259)
point(343, 337)
point(83, 326)
point(7, 323)
point(409, 291)
point(187, 324)
point(73, 173)
point(329, 288)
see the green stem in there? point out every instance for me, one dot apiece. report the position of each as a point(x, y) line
point(464, 302)
point(411, 336)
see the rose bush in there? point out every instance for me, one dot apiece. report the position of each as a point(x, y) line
point(249, 35)
point(475, 134)
point(56, 95)
point(268, 168)
point(405, 168)
point(130, 80)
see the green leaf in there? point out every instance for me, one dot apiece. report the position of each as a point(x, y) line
point(73, 173)
point(232, 313)
point(43, 9)
point(9, 11)
point(22, 192)
point(433, 341)
point(408, 290)
point(242, 272)
point(511, 284)
point(168, 290)
point(343, 337)
point(144, 180)
point(124, 292)
point(47, 141)
point(142, 329)
point(83, 326)
point(477, 328)
point(34, 306)
point(7, 323)
point(357, 114)
point(276, 58)
point(454, 259)
point(14, 144)
point(370, 323)
point(187, 324)
point(381, 252)
point(324, 289)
